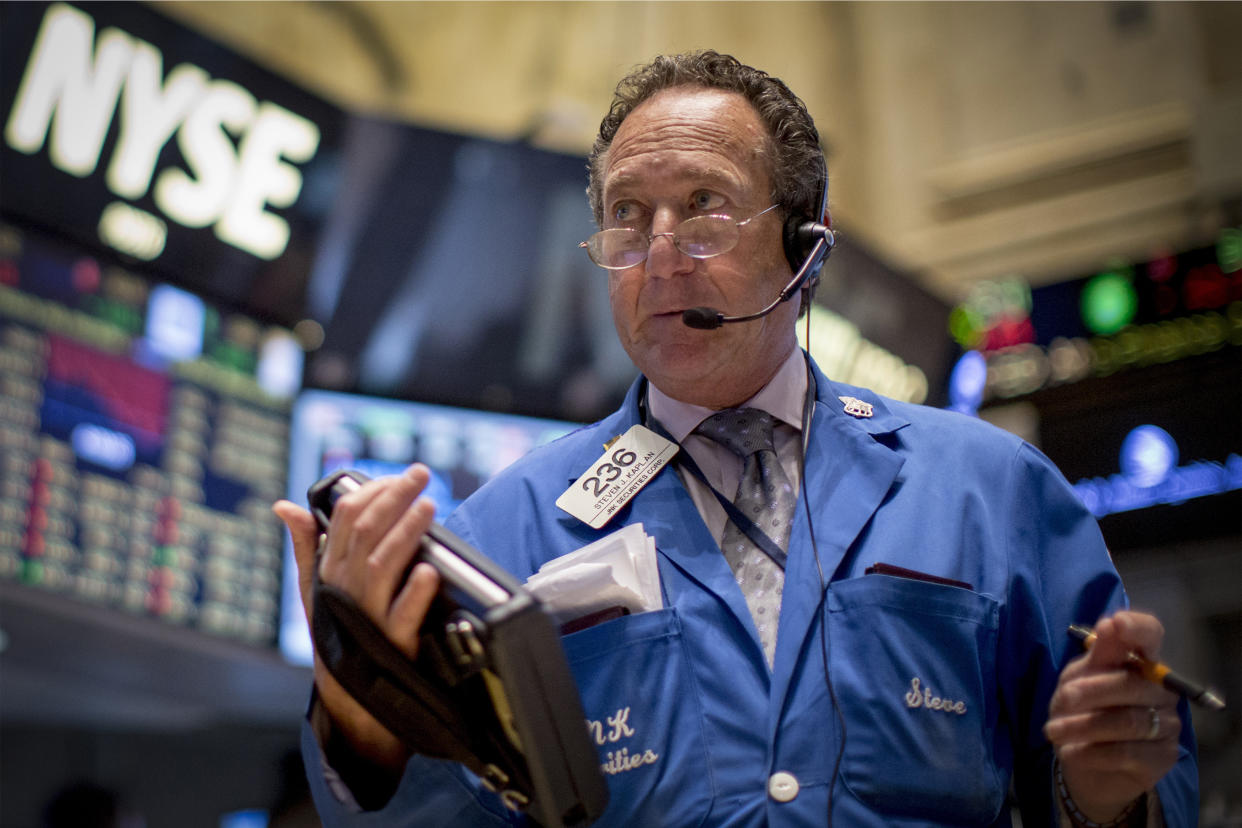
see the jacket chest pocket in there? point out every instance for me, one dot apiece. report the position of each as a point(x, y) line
point(914, 664)
point(644, 715)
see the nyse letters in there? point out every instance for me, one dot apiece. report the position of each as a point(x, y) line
point(236, 150)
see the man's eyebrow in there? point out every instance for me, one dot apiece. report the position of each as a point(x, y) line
point(707, 176)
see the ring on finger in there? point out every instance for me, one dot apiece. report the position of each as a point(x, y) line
point(1153, 724)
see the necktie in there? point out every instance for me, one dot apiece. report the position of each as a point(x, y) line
point(766, 496)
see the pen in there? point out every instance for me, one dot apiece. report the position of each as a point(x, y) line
point(1157, 672)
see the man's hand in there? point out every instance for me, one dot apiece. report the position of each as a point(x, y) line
point(1111, 745)
point(373, 536)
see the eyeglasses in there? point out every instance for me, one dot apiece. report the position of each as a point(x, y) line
point(700, 237)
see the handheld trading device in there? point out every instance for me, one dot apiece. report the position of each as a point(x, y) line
point(490, 686)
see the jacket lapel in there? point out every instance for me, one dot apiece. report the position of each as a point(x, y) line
point(848, 475)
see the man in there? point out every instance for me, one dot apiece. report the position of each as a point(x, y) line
point(920, 662)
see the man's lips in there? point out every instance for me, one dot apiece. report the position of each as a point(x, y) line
point(673, 324)
point(673, 314)
point(667, 317)
point(679, 309)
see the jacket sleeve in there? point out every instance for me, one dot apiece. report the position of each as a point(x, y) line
point(1060, 573)
point(431, 793)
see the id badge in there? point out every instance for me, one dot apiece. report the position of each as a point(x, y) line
point(625, 467)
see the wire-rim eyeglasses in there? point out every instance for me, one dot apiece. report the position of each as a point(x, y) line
point(700, 237)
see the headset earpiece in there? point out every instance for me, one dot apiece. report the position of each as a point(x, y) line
point(799, 237)
point(797, 245)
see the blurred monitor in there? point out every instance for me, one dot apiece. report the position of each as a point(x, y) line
point(145, 435)
point(247, 818)
point(377, 436)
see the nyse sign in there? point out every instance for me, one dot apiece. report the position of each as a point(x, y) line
point(239, 153)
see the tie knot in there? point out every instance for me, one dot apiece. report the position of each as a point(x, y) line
point(743, 431)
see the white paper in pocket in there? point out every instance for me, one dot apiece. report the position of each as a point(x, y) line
point(617, 570)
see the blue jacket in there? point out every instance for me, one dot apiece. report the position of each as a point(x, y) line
point(940, 691)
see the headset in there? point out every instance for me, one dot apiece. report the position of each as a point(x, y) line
point(802, 234)
point(807, 243)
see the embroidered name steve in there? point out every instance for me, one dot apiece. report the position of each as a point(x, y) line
point(924, 698)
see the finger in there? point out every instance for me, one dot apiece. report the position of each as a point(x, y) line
point(390, 560)
point(1064, 698)
point(1118, 687)
point(1077, 668)
point(392, 554)
point(305, 534)
point(362, 517)
point(1124, 633)
point(1142, 632)
point(1115, 724)
point(410, 607)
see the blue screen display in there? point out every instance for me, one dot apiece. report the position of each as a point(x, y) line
point(463, 448)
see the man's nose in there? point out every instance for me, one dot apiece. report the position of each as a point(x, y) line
point(664, 259)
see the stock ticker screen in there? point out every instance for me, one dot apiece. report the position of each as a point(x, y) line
point(145, 435)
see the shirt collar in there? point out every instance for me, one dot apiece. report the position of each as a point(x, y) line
point(783, 397)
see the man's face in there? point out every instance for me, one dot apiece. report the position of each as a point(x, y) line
point(686, 152)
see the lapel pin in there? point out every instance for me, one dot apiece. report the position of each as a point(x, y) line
point(857, 408)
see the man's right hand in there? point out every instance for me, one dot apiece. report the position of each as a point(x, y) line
point(373, 536)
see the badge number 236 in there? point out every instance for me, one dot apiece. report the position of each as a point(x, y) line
point(627, 464)
point(607, 472)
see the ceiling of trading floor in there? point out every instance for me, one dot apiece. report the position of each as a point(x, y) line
point(966, 141)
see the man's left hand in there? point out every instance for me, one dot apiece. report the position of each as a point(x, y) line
point(1114, 732)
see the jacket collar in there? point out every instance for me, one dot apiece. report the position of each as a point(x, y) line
point(828, 394)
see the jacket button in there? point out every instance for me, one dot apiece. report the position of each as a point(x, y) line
point(782, 786)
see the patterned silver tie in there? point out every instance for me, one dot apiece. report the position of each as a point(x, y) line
point(766, 496)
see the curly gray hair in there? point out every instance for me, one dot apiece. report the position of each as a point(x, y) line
point(793, 142)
